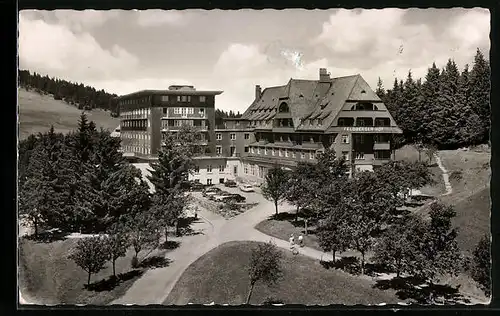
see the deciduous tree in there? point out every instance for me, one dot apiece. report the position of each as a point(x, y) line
point(275, 186)
point(90, 254)
point(265, 265)
point(481, 265)
point(117, 245)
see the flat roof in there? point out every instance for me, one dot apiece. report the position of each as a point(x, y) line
point(170, 92)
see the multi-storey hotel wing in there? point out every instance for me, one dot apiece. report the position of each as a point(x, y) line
point(284, 125)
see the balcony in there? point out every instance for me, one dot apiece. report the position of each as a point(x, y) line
point(382, 146)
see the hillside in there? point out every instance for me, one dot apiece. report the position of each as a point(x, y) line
point(37, 112)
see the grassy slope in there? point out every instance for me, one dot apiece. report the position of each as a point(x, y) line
point(47, 276)
point(214, 278)
point(37, 112)
point(471, 194)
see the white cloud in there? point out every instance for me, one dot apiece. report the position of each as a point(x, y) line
point(379, 43)
point(56, 50)
point(155, 18)
point(79, 21)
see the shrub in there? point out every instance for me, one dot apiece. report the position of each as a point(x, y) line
point(456, 175)
point(134, 263)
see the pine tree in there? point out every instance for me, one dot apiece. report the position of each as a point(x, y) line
point(380, 89)
point(36, 194)
point(480, 91)
point(470, 128)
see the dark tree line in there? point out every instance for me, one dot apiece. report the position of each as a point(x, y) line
point(449, 109)
point(78, 181)
point(220, 115)
point(84, 97)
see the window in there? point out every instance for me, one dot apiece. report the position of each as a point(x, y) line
point(245, 168)
point(265, 151)
point(190, 110)
point(286, 152)
point(209, 181)
point(178, 98)
point(258, 150)
point(293, 154)
point(196, 180)
point(218, 136)
point(164, 98)
point(177, 110)
point(202, 112)
point(218, 150)
point(165, 110)
point(345, 139)
point(247, 136)
point(203, 98)
point(221, 168)
point(273, 152)
point(360, 156)
point(246, 149)
point(284, 108)
point(184, 111)
point(280, 151)
point(252, 149)
point(209, 168)
point(303, 155)
point(233, 136)
point(311, 155)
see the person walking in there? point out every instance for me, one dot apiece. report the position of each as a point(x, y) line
point(292, 241)
point(301, 241)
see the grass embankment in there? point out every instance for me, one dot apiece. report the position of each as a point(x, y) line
point(47, 276)
point(38, 112)
point(216, 278)
point(470, 176)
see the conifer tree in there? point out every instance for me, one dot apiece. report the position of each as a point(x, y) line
point(480, 91)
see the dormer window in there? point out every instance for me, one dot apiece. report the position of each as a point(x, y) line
point(284, 108)
point(363, 91)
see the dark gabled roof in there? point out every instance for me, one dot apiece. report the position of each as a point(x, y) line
point(311, 100)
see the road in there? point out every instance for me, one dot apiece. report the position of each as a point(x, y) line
point(155, 285)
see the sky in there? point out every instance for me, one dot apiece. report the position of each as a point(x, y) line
point(126, 51)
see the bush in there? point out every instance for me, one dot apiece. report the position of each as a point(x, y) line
point(456, 175)
point(134, 263)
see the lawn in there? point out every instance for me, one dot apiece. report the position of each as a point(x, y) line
point(38, 112)
point(214, 278)
point(47, 276)
point(285, 226)
point(410, 153)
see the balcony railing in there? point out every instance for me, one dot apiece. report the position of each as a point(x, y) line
point(382, 146)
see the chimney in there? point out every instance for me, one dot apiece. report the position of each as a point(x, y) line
point(323, 75)
point(258, 92)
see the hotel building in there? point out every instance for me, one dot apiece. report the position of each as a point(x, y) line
point(282, 126)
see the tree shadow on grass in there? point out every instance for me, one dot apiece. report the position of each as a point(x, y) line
point(283, 216)
point(170, 245)
point(372, 269)
point(348, 264)
point(112, 282)
point(412, 288)
point(48, 236)
point(154, 262)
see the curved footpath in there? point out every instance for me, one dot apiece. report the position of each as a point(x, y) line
point(156, 284)
point(446, 177)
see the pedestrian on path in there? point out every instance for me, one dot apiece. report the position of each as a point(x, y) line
point(301, 241)
point(292, 241)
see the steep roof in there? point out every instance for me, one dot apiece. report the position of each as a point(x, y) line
point(313, 100)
